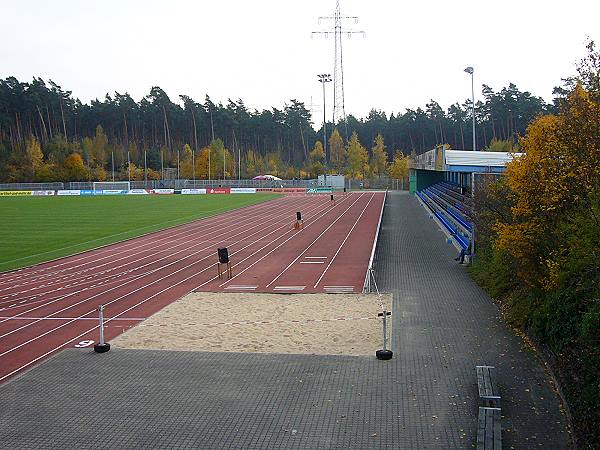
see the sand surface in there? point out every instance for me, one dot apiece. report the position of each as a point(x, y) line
point(264, 323)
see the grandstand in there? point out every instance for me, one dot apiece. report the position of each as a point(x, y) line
point(445, 183)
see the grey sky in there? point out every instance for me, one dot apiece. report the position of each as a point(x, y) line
point(262, 51)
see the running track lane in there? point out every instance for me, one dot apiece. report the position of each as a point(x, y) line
point(50, 306)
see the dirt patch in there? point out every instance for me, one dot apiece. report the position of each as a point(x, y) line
point(326, 324)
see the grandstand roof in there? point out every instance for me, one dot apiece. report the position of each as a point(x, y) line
point(479, 159)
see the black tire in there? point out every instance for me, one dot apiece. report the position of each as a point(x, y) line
point(384, 354)
point(102, 348)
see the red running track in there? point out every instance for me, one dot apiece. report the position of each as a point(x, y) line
point(50, 306)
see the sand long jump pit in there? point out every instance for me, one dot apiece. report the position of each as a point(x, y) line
point(323, 324)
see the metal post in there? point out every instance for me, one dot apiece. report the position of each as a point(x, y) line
point(102, 346)
point(101, 311)
point(145, 170)
point(384, 329)
point(112, 158)
point(473, 102)
point(128, 167)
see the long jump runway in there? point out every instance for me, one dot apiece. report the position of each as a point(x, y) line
point(51, 306)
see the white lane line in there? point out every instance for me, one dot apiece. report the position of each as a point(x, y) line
point(343, 242)
point(200, 232)
point(137, 243)
point(289, 288)
point(316, 257)
point(315, 240)
point(126, 310)
point(326, 211)
point(312, 262)
point(244, 288)
point(141, 276)
point(68, 318)
point(140, 288)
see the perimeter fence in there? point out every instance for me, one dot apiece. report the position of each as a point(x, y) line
point(374, 183)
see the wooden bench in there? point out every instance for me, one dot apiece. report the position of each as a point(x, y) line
point(489, 432)
point(488, 390)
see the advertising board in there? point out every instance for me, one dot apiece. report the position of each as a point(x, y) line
point(219, 190)
point(137, 192)
point(112, 192)
point(14, 193)
point(38, 193)
point(163, 191)
point(68, 192)
point(243, 190)
point(193, 191)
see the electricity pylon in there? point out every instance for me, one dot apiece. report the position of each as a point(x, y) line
point(339, 110)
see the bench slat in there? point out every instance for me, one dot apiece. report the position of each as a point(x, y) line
point(487, 386)
point(489, 430)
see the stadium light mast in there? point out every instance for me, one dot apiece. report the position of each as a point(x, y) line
point(324, 78)
point(112, 158)
point(470, 71)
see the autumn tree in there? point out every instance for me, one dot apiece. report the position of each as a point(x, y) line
point(498, 145)
point(255, 164)
point(34, 157)
point(186, 169)
point(398, 170)
point(74, 169)
point(378, 157)
point(559, 170)
point(337, 151)
point(357, 159)
point(317, 160)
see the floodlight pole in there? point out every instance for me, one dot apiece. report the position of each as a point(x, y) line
point(324, 78)
point(112, 158)
point(470, 71)
point(128, 167)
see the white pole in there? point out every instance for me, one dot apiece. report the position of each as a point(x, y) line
point(101, 309)
point(193, 168)
point(473, 101)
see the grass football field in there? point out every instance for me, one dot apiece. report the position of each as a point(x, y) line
point(37, 229)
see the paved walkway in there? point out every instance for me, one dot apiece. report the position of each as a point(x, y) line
point(423, 398)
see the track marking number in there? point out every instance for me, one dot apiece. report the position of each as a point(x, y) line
point(84, 344)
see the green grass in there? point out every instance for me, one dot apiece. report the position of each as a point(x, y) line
point(37, 229)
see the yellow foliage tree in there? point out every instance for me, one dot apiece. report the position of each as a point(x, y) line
point(398, 170)
point(559, 171)
point(317, 160)
point(337, 151)
point(186, 169)
point(34, 157)
point(378, 157)
point(74, 169)
point(358, 158)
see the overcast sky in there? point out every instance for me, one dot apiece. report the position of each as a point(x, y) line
point(262, 52)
